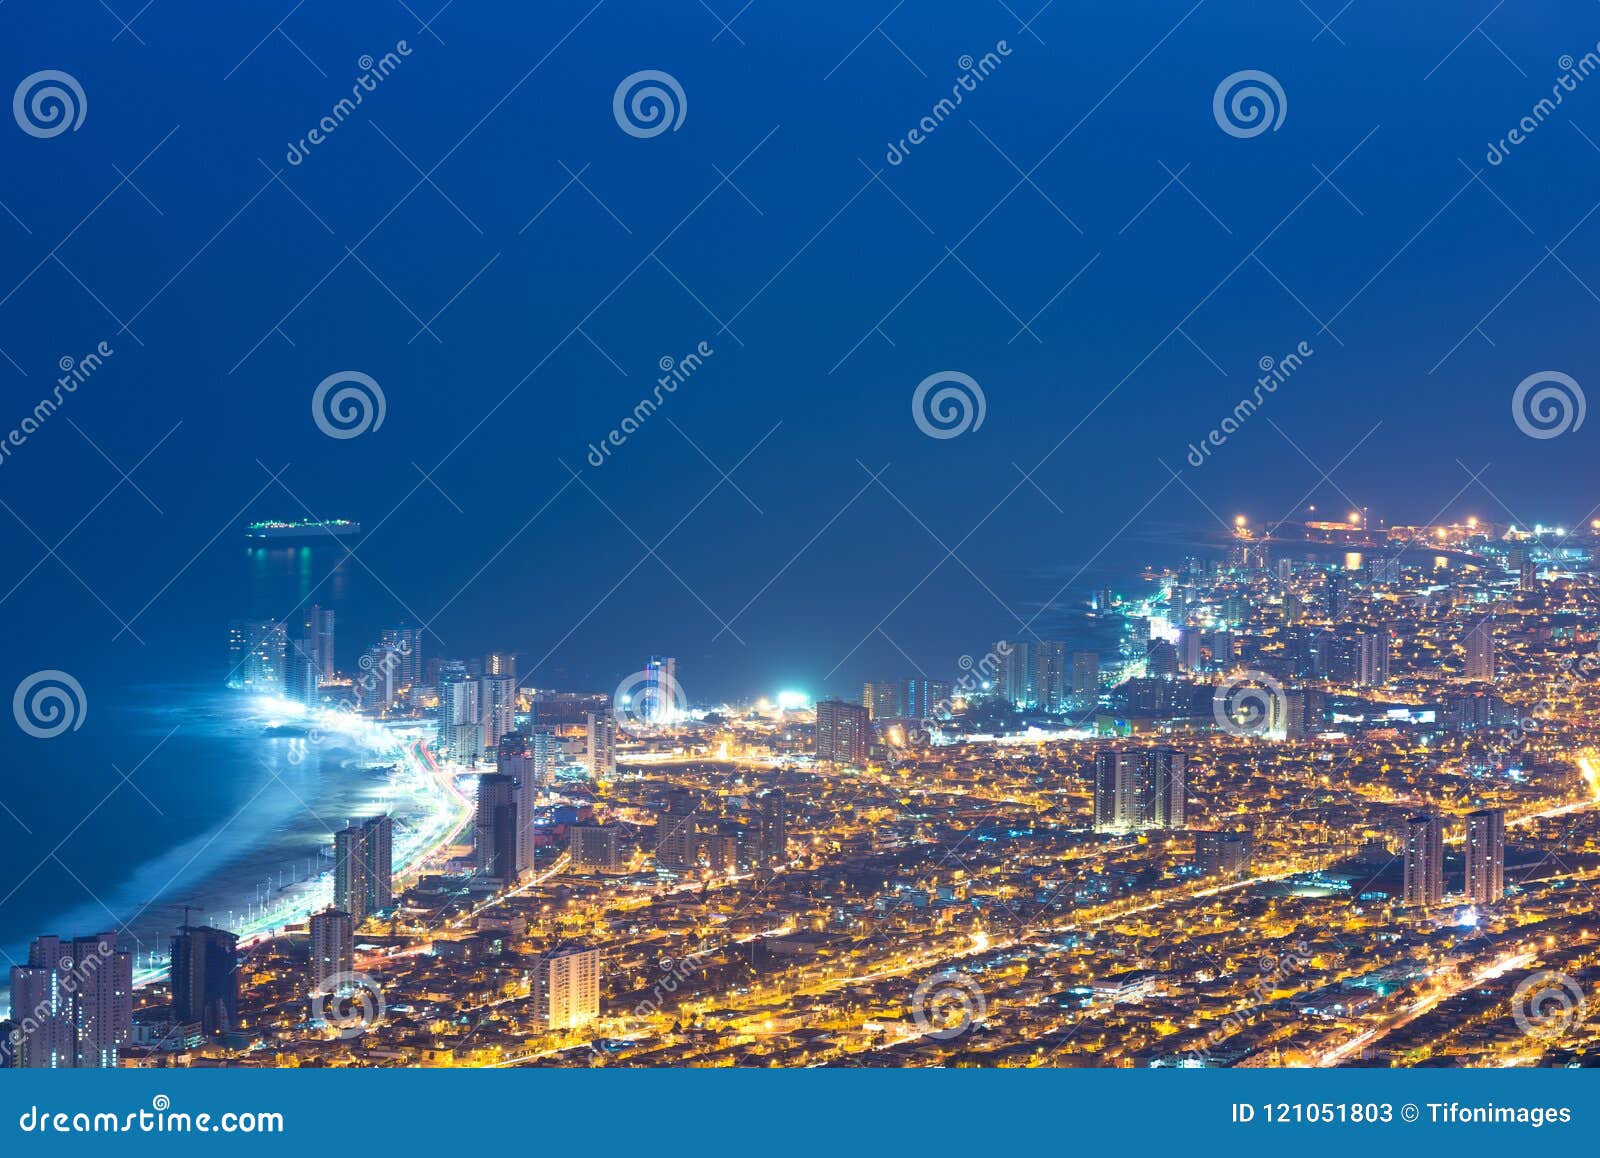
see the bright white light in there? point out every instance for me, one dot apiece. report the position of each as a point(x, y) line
point(789, 701)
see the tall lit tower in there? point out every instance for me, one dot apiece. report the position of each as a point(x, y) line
point(1486, 856)
point(1424, 879)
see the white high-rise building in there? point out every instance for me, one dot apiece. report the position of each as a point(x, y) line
point(602, 744)
point(460, 732)
point(497, 709)
point(566, 987)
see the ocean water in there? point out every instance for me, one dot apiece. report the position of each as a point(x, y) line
point(220, 812)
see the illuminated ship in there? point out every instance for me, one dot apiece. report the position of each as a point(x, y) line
point(301, 530)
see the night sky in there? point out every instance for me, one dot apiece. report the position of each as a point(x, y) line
point(556, 259)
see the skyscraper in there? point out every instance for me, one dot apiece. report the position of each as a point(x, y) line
point(1486, 856)
point(494, 828)
point(1016, 673)
point(677, 835)
point(460, 732)
point(596, 847)
point(657, 702)
point(773, 835)
point(1374, 645)
point(1424, 879)
point(406, 643)
point(257, 653)
point(843, 733)
point(566, 987)
point(1139, 789)
point(333, 947)
point(497, 709)
point(602, 744)
point(205, 978)
point(319, 630)
point(1048, 659)
point(881, 698)
point(1086, 673)
point(501, 663)
point(1480, 650)
point(363, 867)
point(73, 1003)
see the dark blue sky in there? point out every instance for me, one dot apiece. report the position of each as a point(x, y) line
point(550, 324)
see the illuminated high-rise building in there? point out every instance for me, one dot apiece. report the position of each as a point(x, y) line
point(1086, 673)
point(843, 733)
point(501, 663)
point(1486, 856)
point(494, 827)
point(1424, 862)
point(333, 949)
point(363, 867)
point(1374, 662)
point(460, 726)
point(1480, 651)
point(1048, 660)
point(881, 698)
point(566, 987)
point(497, 710)
point(602, 744)
point(73, 1002)
point(657, 702)
point(257, 656)
point(772, 841)
point(406, 643)
point(677, 835)
point(1139, 789)
point(596, 847)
